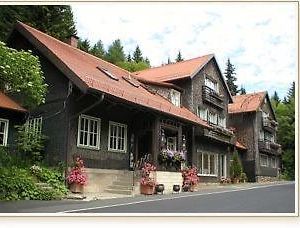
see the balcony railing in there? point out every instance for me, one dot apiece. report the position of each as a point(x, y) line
point(218, 134)
point(269, 147)
point(211, 96)
point(269, 125)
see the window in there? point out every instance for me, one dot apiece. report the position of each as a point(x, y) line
point(261, 135)
point(265, 115)
point(35, 125)
point(211, 84)
point(3, 131)
point(88, 132)
point(207, 163)
point(202, 113)
point(213, 118)
point(222, 121)
point(268, 137)
point(175, 97)
point(264, 160)
point(172, 143)
point(273, 162)
point(117, 137)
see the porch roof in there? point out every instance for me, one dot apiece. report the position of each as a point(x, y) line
point(91, 73)
point(8, 103)
point(240, 145)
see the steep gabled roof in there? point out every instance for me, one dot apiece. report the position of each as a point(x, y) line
point(250, 102)
point(174, 71)
point(8, 103)
point(91, 73)
point(180, 70)
point(247, 102)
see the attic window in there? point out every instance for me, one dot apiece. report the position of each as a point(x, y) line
point(131, 81)
point(109, 74)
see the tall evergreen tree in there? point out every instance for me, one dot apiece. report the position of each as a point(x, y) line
point(230, 78)
point(179, 57)
point(275, 100)
point(291, 92)
point(137, 55)
point(84, 45)
point(169, 61)
point(54, 20)
point(115, 53)
point(147, 61)
point(242, 91)
point(98, 50)
point(129, 59)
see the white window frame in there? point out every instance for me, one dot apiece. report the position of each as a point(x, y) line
point(175, 97)
point(211, 84)
point(222, 121)
point(273, 162)
point(216, 158)
point(213, 116)
point(5, 133)
point(35, 124)
point(172, 144)
point(203, 113)
point(112, 123)
point(98, 122)
point(260, 160)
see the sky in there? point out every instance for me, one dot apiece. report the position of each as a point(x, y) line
point(261, 39)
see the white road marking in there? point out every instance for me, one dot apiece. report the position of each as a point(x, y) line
point(170, 198)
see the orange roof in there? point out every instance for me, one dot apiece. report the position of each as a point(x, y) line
point(8, 103)
point(82, 68)
point(247, 102)
point(180, 70)
point(240, 145)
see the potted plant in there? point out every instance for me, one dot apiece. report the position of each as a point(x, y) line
point(178, 158)
point(163, 158)
point(77, 177)
point(147, 183)
point(190, 178)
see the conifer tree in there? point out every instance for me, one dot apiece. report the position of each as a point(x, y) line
point(137, 55)
point(230, 78)
point(179, 57)
point(98, 50)
point(129, 59)
point(84, 45)
point(242, 91)
point(115, 53)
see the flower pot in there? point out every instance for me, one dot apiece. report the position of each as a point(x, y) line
point(76, 188)
point(193, 188)
point(146, 189)
point(176, 188)
point(185, 188)
point(159, 188)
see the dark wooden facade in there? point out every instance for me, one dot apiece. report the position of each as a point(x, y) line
point(248, 127)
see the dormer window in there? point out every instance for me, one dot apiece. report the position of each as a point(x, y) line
point(212, 84)
point(175, 97)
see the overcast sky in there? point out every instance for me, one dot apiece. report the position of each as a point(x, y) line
point(259, 38)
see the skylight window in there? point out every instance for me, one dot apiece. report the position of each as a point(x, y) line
point(109, 74)
point(131, 81)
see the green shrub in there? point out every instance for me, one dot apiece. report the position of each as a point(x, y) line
point(235, 166)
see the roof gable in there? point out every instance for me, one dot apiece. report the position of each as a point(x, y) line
point(83, 70)
point(250, 102)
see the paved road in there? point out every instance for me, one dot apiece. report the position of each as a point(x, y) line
point(272, 198)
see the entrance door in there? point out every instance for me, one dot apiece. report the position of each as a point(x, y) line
point(223, 166)
point(144, 147)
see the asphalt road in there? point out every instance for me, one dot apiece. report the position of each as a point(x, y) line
point(272, 198)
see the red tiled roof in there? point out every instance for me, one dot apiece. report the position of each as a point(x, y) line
point(247, 102)
point(84, 68)
point(240, 145)
point(8, 103)
point(180, 70)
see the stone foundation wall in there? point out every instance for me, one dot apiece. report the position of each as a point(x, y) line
point(262, 179)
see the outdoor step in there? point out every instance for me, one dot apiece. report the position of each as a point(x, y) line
point(124, 183)
point(117, 191)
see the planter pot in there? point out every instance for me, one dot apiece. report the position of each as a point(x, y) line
point(159, 188)
point(147, 189)
point(176, 188)
point(76, 188)
point(185, 188)
point(193, 188)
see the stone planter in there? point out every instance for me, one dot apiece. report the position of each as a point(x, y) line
point(76, 188)
point(147, 189)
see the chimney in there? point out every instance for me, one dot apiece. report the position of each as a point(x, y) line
point(72, 40)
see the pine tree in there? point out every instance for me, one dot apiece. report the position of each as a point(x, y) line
point(242, 91)
point(291, 92)
point(115, 53)
point(98, 50)
point(84, 45)
point(275, 99)
point(230, 78)
point(129, 59)
point(169, 61)
point(137, 55)
point(147, 61)
point(56, 21)
point(179, 57)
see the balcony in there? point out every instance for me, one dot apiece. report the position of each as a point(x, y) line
point(212, 97)
point(269, 147)
point(269, 125)
point(220, 134)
